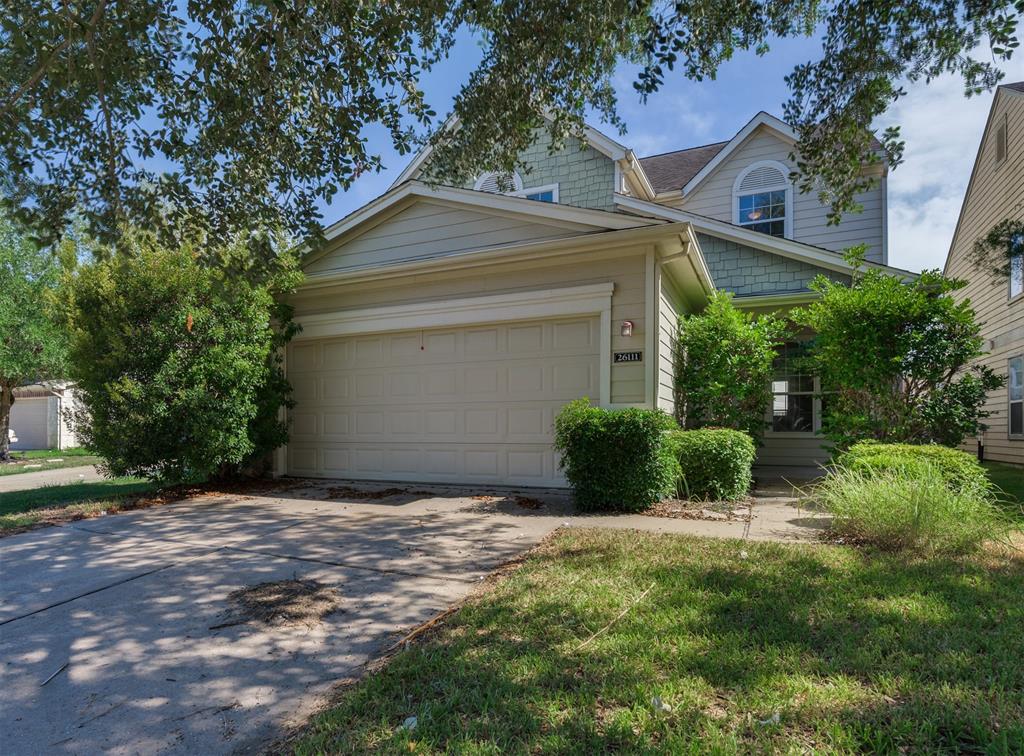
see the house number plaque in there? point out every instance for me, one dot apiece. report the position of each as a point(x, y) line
point(619, 357)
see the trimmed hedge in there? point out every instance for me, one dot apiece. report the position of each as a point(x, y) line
point(958, 470)
point(615, 459)
point(714, 463)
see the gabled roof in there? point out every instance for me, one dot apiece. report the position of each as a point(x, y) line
point(782, 129)
point(669, 171)
point(583, 220)
point(808, 253)
point(594, 138)
point(1016, 88)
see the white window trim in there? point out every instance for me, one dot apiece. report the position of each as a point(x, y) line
point(1010, 402)
point(1009, 283)
point(517, 180)
point(786, 184)
point(553, 188)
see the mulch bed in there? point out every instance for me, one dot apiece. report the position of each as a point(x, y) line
point(713, 511)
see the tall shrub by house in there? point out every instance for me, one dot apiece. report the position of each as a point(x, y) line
point(616, 459)
point(896, 357)
point(724, 367)
point(176, 362)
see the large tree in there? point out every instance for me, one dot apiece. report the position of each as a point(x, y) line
point(208, 117)
point(32, 345)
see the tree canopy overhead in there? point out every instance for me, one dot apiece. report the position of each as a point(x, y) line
point(204, 118)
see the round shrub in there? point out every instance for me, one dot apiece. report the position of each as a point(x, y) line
point(714, 463)
point(615, 459)
point(957, 469)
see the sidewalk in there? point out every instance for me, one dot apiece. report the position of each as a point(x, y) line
point(28, 480)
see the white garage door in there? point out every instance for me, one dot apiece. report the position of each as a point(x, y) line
point(465, 405)
point(30, 418)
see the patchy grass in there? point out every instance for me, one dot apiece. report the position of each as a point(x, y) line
point(763, 648)
point(20, 510)
point(48, 459)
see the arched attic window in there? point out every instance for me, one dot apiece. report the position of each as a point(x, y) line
point(493, 182)
point(762, 199)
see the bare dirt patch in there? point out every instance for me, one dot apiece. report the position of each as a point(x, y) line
point(283, 602)
point(714, 511)
point(527, 502)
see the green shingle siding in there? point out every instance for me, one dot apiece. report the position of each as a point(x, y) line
point(585, 177)
point(746, 271)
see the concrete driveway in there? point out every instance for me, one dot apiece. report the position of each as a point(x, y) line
point(127, 603)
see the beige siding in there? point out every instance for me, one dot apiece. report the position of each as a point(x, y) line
point(713, 198)
point(670, 306)
point(624, 267)
point(427, 230)
point(996, 192)
point(791, 450)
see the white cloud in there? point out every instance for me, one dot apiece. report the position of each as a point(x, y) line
point(942, 130)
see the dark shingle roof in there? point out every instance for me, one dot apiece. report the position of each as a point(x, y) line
point(1016, 87)
point(671, 170)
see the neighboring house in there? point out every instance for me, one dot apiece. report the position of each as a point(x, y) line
point(38, 416)
point(443, 328)
point(996, 193)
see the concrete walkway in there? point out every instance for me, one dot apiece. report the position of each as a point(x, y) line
point(27, 480)
point(109, 627)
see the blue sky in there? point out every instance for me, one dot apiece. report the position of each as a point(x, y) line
point(940, 126)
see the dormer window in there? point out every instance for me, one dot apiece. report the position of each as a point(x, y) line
point(763, 199)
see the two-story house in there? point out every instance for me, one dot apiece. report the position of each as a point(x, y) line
point(995, 193)
point(444, 327)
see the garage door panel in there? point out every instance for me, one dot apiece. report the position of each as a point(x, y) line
point(472, 404)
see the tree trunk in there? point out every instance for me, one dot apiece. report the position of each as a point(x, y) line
point(6, 401)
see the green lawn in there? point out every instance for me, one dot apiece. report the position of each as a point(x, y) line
point(781, 649)
point(1009, 478)
point(20, 509)
point(26, 461)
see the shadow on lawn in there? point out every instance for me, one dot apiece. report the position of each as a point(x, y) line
point(12, 502)
point(855, 651)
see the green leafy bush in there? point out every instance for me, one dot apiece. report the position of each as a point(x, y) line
point(615, 459)
point(898, 358)
point(957, 469)
point(908, 508)
point(724, 367)
point(714, 463)
point(176, 362)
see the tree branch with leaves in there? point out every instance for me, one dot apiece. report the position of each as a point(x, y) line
point(202, 120)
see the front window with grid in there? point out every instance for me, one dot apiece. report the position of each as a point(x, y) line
point(764, 212)
point(795, 406)
point(1015, 388)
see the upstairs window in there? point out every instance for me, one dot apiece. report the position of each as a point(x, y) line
point(548, 193)
point(1016, 266)
point(762, 199)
